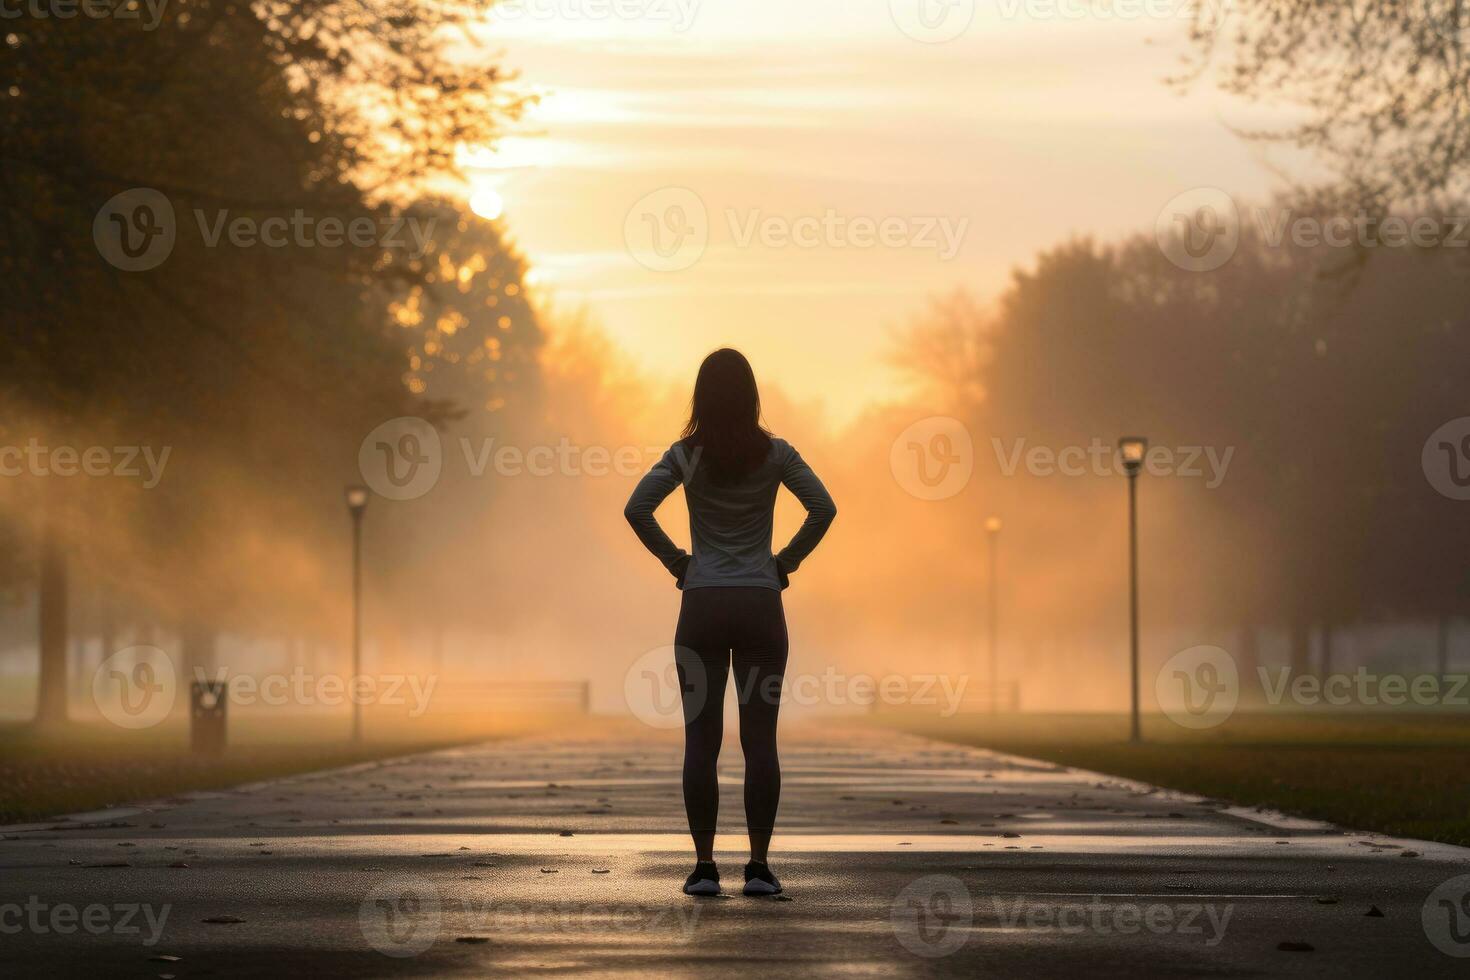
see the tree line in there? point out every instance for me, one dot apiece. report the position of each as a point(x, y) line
point(1317, 374)
point(261, 350)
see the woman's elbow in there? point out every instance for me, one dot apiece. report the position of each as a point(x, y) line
point(825, 511)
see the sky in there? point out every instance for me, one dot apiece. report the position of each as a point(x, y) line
point(796, 179)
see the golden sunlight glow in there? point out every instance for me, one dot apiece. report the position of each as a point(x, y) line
point(487, 203)
point(628, 107)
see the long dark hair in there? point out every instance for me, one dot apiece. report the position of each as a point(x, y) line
point(725, 418)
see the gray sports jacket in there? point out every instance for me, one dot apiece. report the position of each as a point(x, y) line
point(730, 524)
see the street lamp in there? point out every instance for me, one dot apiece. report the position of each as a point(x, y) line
point(1133, 449)
point(992, 537)
point(357, 499)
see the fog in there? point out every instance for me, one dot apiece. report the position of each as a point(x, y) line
point(201, 360)
point(516, 564)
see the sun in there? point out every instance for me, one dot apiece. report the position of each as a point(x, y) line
point(487, 203)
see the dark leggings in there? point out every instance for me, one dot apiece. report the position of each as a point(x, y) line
point(716, 625)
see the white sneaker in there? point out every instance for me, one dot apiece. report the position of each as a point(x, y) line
point(759, 880)
point(703, 880)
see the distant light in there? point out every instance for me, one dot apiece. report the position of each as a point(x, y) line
point(487, 203)
point(1133, 449)
point(357, 498)
point(992, 524)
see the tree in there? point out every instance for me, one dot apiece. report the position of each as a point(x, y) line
point(1323, 389)
point(1383, 87)
point(332, 111)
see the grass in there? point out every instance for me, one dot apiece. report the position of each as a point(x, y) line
point(1401, 774)
point(92, 765)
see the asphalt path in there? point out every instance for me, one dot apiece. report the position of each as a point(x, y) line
point(564, 854)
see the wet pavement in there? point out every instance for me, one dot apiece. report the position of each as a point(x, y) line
point(564, 854)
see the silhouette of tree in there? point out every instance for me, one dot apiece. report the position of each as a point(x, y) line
point(261, 366)
point(1324, 388)
point(1382, 88)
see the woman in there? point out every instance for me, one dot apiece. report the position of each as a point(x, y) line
point(730, 468)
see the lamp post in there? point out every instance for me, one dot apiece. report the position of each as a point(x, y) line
point(357, 498)
point(992, 537)
point(1133, 449)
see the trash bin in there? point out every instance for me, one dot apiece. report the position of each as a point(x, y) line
point(207, 716)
